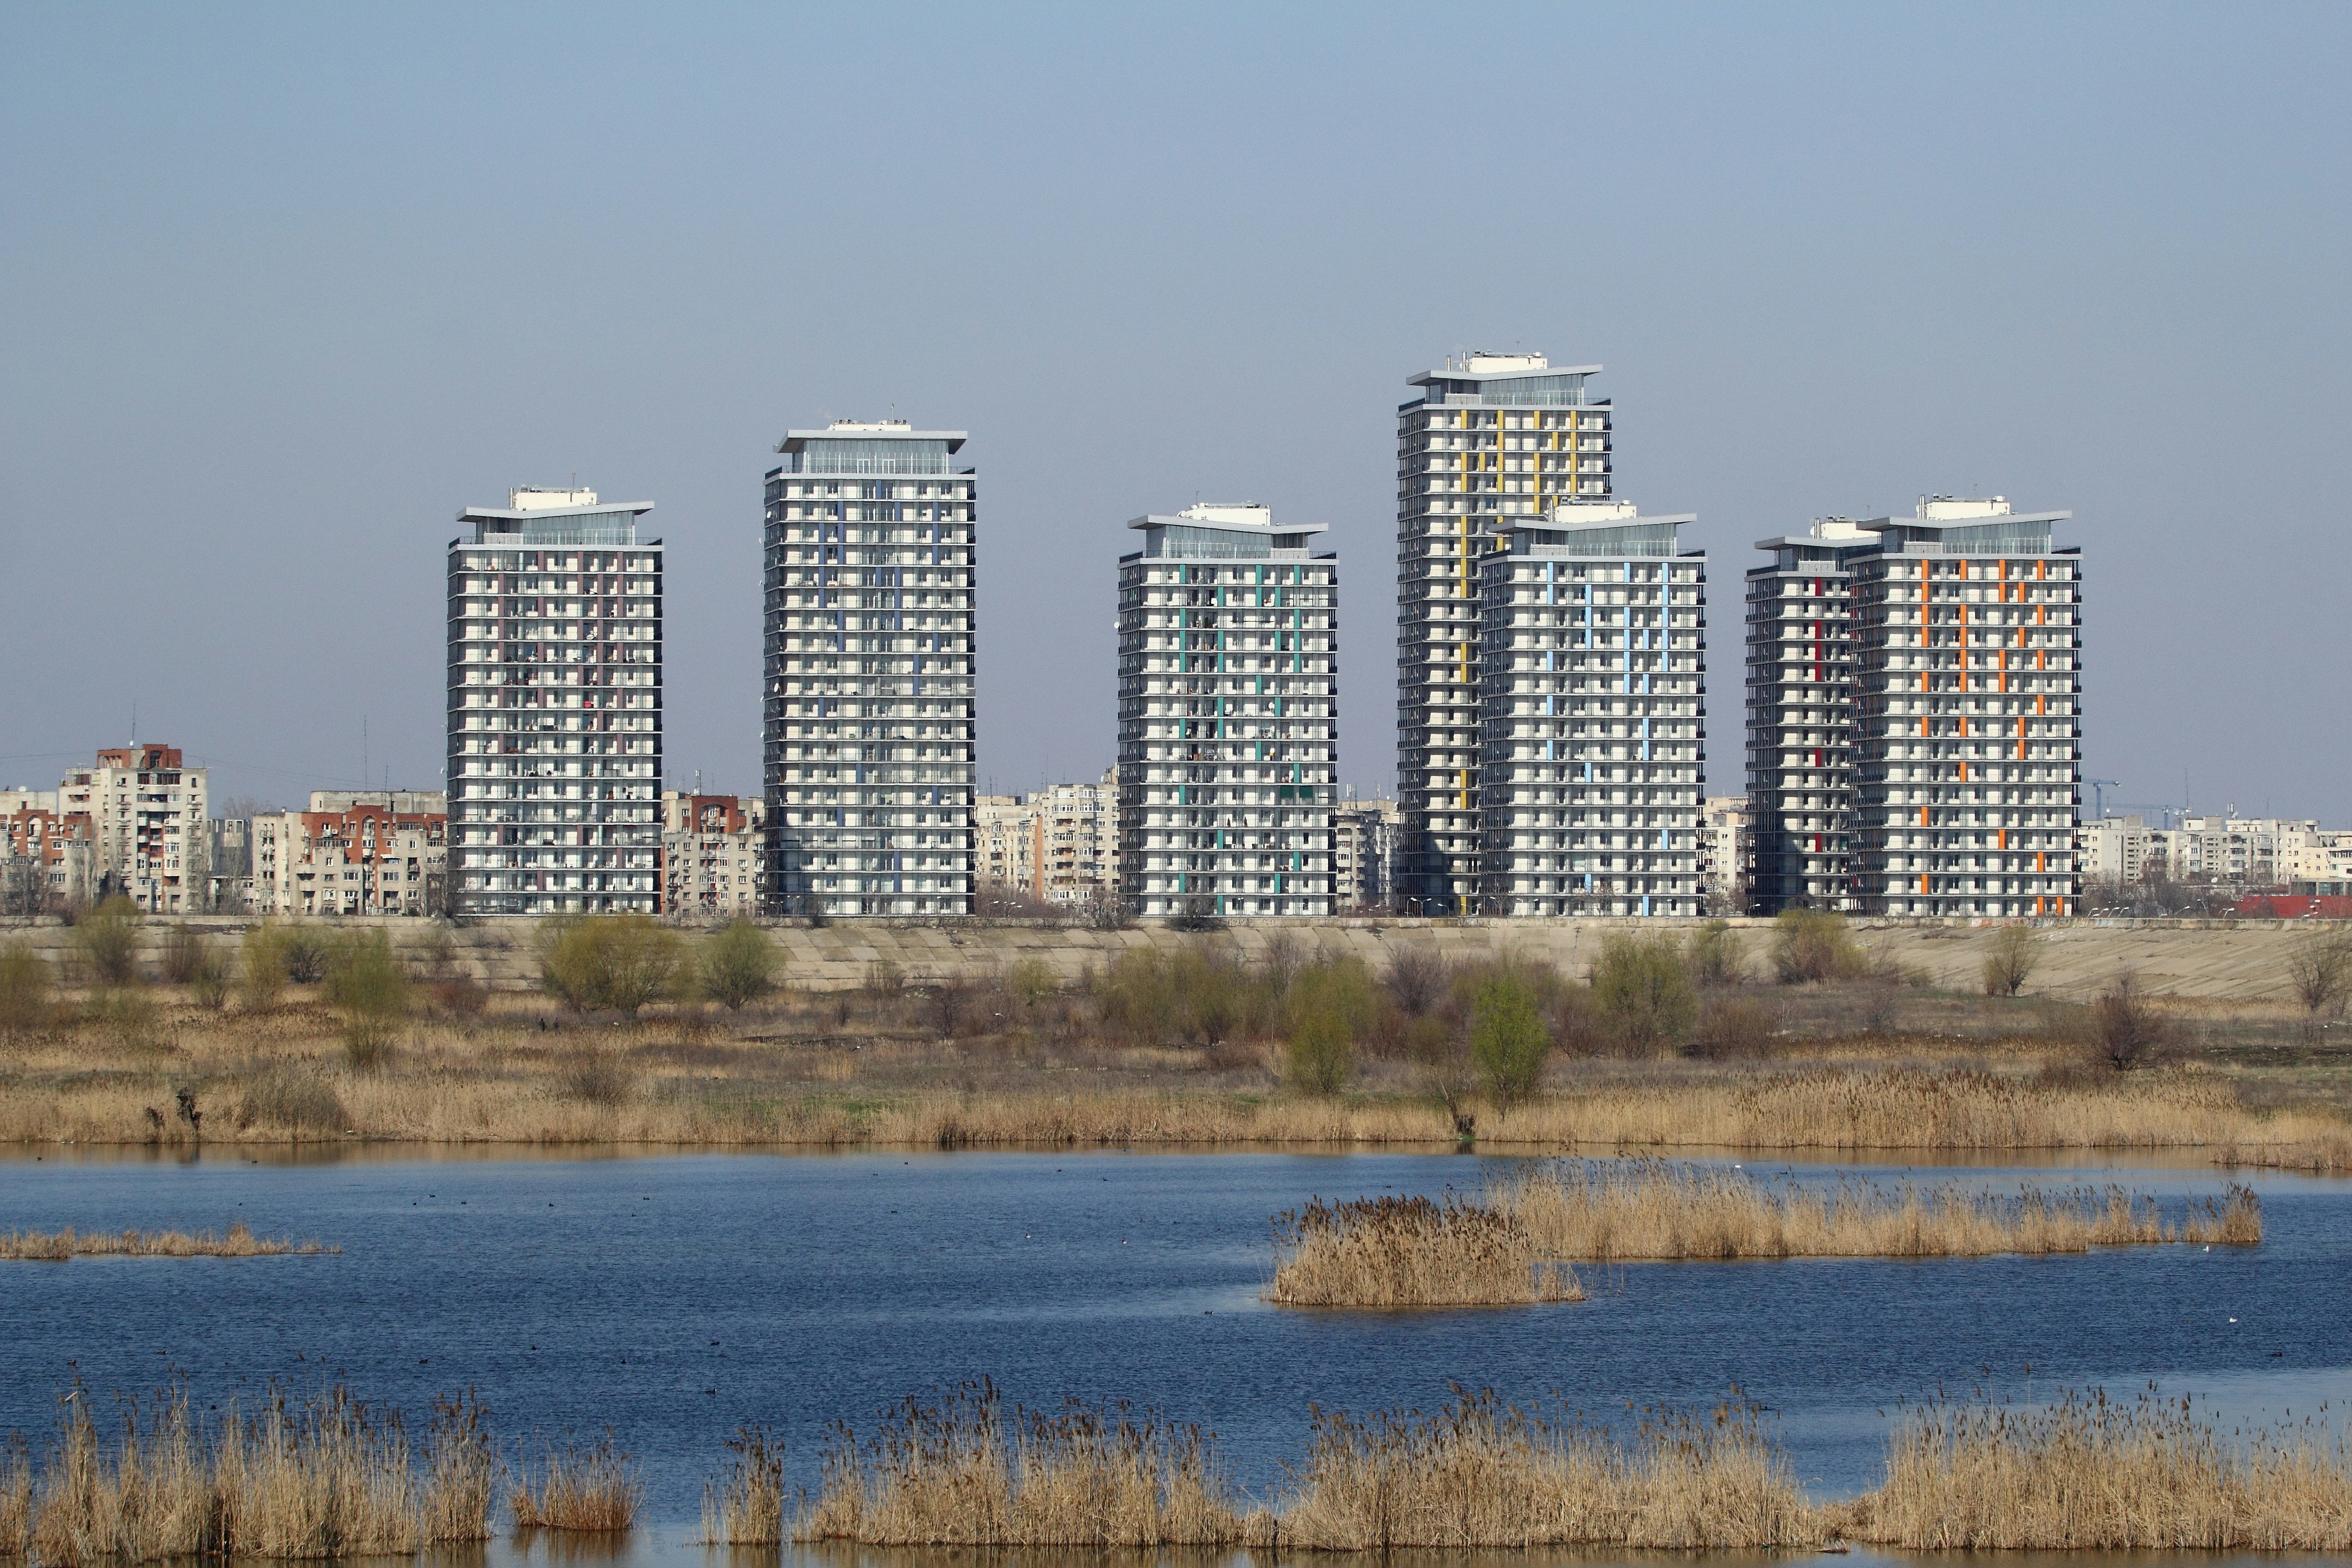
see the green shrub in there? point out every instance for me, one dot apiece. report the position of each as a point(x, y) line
point(183, 954)
point(367, 983)
point(261, 967)
point(2010, 961)
point(305, 952)
point(24, 991)
point(108, 939)
point(1508, 1040)
point(1331, 1006)
point(1733, 1027)
point(737, 964)
point(1813, 945)
point(1715, 958)
point(608, 963)
point(1641, 991)
point(1031, 981)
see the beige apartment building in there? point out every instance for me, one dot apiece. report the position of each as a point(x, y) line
point(146, 810)
point(713, 855)
point(352, 853)
point(48, 861)
point(1059, 844)
point(1365, 836)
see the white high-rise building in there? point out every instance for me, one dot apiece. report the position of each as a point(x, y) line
point(1228, 703)
point(1493, 440)
point(556, 759)
point(870, 728)
point(1592, 692)
point(1969, 642)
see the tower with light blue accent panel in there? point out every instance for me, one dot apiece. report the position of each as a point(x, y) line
point(1593, 715)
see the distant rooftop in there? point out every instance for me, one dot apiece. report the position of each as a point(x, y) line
point(531, 499)
point(1506, 378)
point(1222, 531)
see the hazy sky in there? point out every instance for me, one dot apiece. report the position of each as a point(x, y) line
point(282, 289)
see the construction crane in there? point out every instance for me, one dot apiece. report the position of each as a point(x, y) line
point(2099, 797)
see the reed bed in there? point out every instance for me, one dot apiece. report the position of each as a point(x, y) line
point(56, 1247)
point(319, 1479)
point(593, 1490)
point(968, 1471)
point(2090, 1474)
point(1480, 1473)
point(1411, 1252)
point(1623, 1210)
point(744, 1506)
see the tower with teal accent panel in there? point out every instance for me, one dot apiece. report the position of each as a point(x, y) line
point(1228, 715)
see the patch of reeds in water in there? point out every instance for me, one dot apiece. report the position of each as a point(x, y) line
point(325, 1478)
point(56, 1247)
point(1480, 1473)
point(590, 1490)
point(1644, 1208)
point(744, 1506)
point(968, 1471)
point(2088, 1473)
point(1411, 1252)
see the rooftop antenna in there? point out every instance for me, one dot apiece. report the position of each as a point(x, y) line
point(134, 720)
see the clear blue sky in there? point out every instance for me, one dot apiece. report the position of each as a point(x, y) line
point(283, 288)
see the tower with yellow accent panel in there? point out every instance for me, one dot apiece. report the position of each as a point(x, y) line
point(1228, 715)
point(1968, 634)
point(1493, 440)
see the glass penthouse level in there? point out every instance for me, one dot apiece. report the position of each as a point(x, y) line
point(1228, 727)
point(869, 723)
point(1593, 689)
point(1491, 439)
point(555, 716)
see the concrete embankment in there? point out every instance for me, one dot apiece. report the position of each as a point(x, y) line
point(2244, 961)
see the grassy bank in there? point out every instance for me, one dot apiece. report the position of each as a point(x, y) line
point(1608, 1211)
point(1411, 1252)
point(328, 1478)
point(56, 1247)
point(1145, 1056)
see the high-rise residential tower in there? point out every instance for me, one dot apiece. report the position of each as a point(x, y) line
point(1228, 715)
point(1491, 440)
point(1592, 686)
point(1914, 700)
point(555, 760)
point(1803, 717)
point(1968, 637)
point(869, 730)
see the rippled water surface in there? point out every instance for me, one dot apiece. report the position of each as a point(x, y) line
point(676, 1299)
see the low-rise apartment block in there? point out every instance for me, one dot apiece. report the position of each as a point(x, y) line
point(1059, 844)
point(47, 860)
point(361, 857)
point(147, 813)
point(714, 848)
point(1726, 853)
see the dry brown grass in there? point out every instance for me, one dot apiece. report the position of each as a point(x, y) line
point(1647, 1208)
point(1480, 1473)
point(325, 1478)
point(2089, 1474)
point(591, 1491)
point(789, 1079)
point(1410, 1252)
point(56, 1246)
point(969, 1472)
point(745, 1505)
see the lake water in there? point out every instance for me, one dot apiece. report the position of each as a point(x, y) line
point(676, 1299)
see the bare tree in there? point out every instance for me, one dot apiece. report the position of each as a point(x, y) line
point(2320, 972)
point(2011, 960)
point(2127, 1031)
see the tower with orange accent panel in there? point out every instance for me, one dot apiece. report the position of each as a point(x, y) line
point(1968, 637)
point(1493, 441)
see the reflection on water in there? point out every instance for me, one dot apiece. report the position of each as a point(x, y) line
point(676, 1299)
